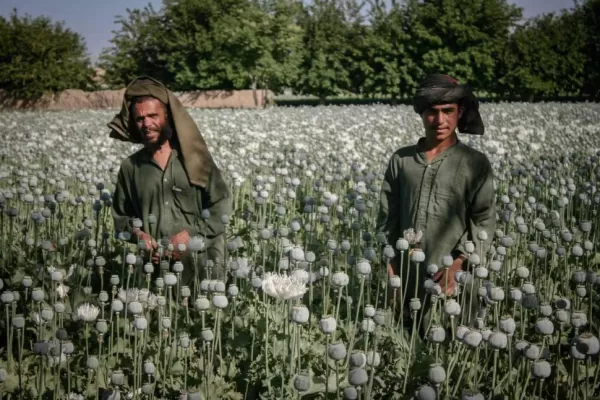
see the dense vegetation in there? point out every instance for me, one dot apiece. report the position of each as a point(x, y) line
point(321, 48)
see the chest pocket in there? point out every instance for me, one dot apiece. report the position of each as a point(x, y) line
point(185, 195)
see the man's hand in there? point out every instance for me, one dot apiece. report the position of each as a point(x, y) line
point(141, 235)
point(182, 237)
point(445, 276)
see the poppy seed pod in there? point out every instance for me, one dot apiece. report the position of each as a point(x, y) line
point(350, 393)
point(178, 267)
point(447, 261)
point(587, 344)
point(102, 326)
point(507, 325)
point(170, 279)
point(369, 311)
point(337, 351)
point(202, 303)
point(481, 272)
point(436, 374)
point(532, 351)
point(581, 291)
point(7, 297)
point(496, 266)
point(498, 340)
point(426, 392)
point(436, 334)
point(578, 277)
point(516, 295)
point(578, 319)
point(482, 235)
point(92, 362)
point(402, 244)
point(541, 369)
point(497, 294)
point(562, 316)
point(469, 246)
point(302, 382)
point(207, 335)
point(220, 301)
point(373, 359)
point(184, 340)
point(418, 256)
point(117, 305)
point(395, 282)
point(545, 309)
point(358, 377)
point(363, 267)
point(451, 307)
point(380, 317)
point(544, 326)
point(135, 307)
point(140, 323)
point(461, 331)
point(149, 368)
point(18, 321)
point(114, 280)
point(432, 269)
point(474, 259)
point(368, 325)
point(27, 281)
point(591, 277)
point(37, 295)
point(328, 324)
point(299, 314)
point(358, 359)
point(472, 339)
point(529, 301)
point(415, 304)
point(471, 395)
point(117, 378)
point(370, 254)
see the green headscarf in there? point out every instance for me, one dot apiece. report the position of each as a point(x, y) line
point(197, 159)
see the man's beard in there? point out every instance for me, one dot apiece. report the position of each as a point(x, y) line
point(166, 133)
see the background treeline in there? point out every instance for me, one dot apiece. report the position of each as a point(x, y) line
point(321, 48)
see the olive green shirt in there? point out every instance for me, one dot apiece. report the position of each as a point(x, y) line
point(450, 199)
point(144, 189)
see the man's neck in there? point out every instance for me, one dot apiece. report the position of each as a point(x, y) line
point(433, 147)
point(161, 154)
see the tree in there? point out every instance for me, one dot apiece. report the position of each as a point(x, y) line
point(138, 48)
point(323, 71)
point(545, 58)
point(38, 56)
point(464, 38)
point(589, 12)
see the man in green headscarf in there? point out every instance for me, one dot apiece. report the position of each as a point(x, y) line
point(441, 187)
point(172, 185)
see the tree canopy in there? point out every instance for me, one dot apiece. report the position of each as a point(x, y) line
point(321, 48)
point(39, 56)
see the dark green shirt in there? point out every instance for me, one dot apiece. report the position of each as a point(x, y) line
point(144, 189)
point(450, 199)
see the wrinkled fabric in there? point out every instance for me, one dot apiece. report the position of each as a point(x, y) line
point(450, 199)
point(144, 189)
point(197, 158)
point(442, 89)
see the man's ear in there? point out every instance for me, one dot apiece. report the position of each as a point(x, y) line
point(461, 110)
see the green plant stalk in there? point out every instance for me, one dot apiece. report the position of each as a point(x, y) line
point(353, 337)
point(372, 372)
point(9, 338)
point(266, 302)
point(460, 375)
point(412, 339)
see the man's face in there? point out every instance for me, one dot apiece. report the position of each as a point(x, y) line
point(151, 121)
point(440, 121)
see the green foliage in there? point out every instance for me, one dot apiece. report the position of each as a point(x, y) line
point(137, 49)
point(589, 12)
point(545, 57)
point(38, 56)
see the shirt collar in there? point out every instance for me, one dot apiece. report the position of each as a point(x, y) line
point(421, 157)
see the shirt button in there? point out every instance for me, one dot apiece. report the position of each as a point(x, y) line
point(166, 180)
point(166, 203)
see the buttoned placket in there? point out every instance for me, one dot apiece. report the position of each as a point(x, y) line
point(166, 195)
